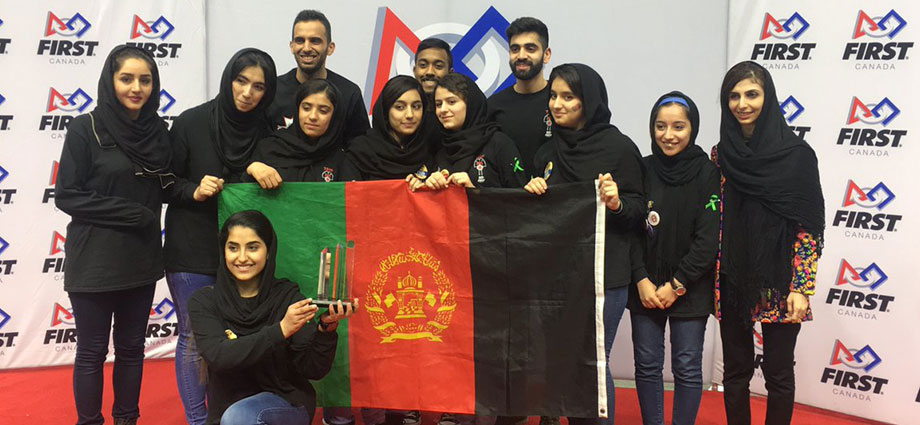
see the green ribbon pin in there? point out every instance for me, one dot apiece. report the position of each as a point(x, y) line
point(517, 165)
point(712, 202)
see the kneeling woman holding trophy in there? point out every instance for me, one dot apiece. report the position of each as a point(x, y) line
point(260, 339)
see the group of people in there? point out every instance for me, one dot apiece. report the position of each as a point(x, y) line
point(736, 233)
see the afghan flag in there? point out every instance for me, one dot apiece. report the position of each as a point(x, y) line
point(485, 301)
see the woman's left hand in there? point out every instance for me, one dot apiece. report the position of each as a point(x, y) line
point(666, 295)
point(609, 191)
point(338, 312)
point(796, 306)
point(461, 179)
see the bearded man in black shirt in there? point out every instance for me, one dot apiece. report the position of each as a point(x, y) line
point(521, 110)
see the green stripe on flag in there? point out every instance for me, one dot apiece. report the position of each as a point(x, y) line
point(306, 218)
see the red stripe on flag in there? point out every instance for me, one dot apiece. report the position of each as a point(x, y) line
point(411, 345)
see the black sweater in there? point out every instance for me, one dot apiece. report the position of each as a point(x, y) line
point(332, 168)
point(261, 361)
point(113, 239)
point(284, 108)
point(697, 245)
point(524, 118)
point(499, 161)
point(622, 226)
point(191, 226)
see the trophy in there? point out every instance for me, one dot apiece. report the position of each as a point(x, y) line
point(336, 267)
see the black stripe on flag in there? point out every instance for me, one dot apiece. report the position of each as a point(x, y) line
point(537, 268)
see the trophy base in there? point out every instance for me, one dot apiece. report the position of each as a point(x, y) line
point(327, 303)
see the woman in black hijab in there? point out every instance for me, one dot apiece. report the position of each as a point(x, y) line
point(772, 236)
point(113, 169)
point(585, 147)
point(674, 278)
point(473, 152)
point(211, 145)
point(309, 151)
point(256, 332)
point(397, 145)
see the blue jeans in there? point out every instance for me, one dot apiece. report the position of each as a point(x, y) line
point(338, 416)
point(265, 408)
point(94, 313)
point(191, 390)
point(686, 365)
point(614, 304)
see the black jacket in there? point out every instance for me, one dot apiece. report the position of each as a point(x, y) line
point(191, 226)
point(113, 239)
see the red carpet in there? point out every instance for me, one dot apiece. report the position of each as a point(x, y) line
point(44, 396)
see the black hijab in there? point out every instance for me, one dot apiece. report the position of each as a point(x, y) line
point(144, 140)
point(686, 165)
point(459, 148)
point(771, 188)
point(376, 154)
point(677, 201)
point(582, 154)
point(291, 147)
point(247, 316)
point(235, 133)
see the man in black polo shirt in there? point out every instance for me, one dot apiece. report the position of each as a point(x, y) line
point(311, 42)
point(521, 110)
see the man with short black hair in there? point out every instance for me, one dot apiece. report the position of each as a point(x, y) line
point(521, 110)
point(433, 60)
point(311, 42)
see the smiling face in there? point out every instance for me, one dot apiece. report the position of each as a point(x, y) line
point(451, 109)
point(430, 66)
point(672, 129)
point(133, 85)
point(527, 55)
point(248, 88)
point(567, 108)
point(746, 101)
point(310, 46)
point(245, 253)
point(315, 114)
point(406, 114)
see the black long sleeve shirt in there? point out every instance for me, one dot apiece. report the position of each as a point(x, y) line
point(261, 361)
point(622, 226)
point(525, 119)
point(333, 168)
point(498, 164)
point(697, 244)
point(113, 239)
point(191, 226)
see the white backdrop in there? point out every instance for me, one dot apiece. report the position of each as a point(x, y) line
point(49, 72)
point(859, 112)
point(642, 49)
